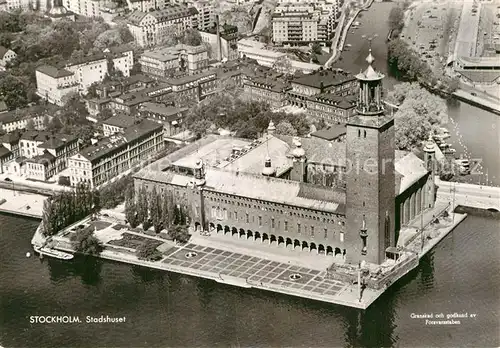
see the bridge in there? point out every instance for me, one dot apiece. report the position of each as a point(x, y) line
point(477, 196)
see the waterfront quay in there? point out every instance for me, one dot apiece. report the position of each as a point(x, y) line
point(21, 203)
point(469, 195)
point(264, 266)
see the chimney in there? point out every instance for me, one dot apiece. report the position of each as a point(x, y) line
point(219, 46)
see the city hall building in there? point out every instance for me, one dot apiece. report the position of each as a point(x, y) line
point(342, 199)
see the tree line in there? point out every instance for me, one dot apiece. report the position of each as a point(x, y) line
point(156, 210)
point(66, 208)
point(247, 119)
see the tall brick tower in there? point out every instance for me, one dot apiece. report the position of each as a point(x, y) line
point(370, 183)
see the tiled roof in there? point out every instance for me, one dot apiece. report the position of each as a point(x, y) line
point(86, 59)
point(3, 50)
point(411, 168)
point(10, 138)
point(136, 17)
point(53, 71)
point(331, 133)
point(318, 150)
point(120, 120)
point(328, 77)
point(249, 185)
point(343, 102)
point(3, 151)
point(162, 109)
point(57, 141)
point(45, 158)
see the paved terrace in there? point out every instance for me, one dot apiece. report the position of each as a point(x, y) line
point(21, 203)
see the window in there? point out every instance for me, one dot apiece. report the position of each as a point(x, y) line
point(342, 237)
point(272, 222)
point(298, 227)
point(260, 220)
point(312, 231)
point(359, 133)
point(326, 233)
point(236, 215)
point(285, 225)
point(247, 218)
point(364, 134)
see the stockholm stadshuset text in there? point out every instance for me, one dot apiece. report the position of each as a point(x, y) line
point(66, 319)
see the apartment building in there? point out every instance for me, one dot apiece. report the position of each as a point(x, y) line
point(171, 117)
point(167, 61)
point(52, 83)
point(298, 23)
point(110, 157)
point(40, 167)
point(151, 28)
point(193, 88)
point(268, 90)
point(61, 146)
point(12, 5)
point(333, 81)
point(117, 124)
point(87, 8)
point(206, 14)
point(122, 58)
point(331, 107)
point(88, 70)
point(10, 121)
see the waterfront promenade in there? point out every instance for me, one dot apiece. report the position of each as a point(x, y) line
point(22, 203)
point(250, 265)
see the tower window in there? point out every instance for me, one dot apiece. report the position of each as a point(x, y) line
point(359, 133)
point(298, 228)
point(364, 133)
point(272, 222)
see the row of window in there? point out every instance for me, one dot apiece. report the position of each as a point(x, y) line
point(280, 211)
point(223, 214)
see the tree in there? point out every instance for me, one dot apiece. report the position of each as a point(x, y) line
point(200, 127)
point(285, 128)
point(30, 125)
point(142, 206)
point(396, 18)
point(314, 58)
point(316, 48)
point(48, 218)
point(109, 38)
point(283, 64)
point(147, 251)
point(155, 208)
point(179, 233)
point(191, 37)
point(131, 209)
point(85, 242)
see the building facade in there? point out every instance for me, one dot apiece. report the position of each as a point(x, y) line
point(53, 84)
point(262, 190)
point(168, 61)
point(151, 28)
point(110, 157)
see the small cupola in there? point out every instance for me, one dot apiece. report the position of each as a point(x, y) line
point(298, 152)
point(268, 169)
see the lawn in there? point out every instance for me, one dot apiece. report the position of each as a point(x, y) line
point(133, 241)
point(99, 225)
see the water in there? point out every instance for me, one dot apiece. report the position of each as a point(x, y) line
point(164, 309)
point(474, 131)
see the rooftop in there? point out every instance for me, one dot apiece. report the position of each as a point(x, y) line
point(108, 145)
point(327, 77)
point(120, 120)
point(3, 151)
point(331, 133)
point(343, 102)
point(86, 59)
point(162, 109)
point(53, 71)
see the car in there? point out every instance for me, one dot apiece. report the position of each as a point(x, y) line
point(8, 180)
point(473, 93)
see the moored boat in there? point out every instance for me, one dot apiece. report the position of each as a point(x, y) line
point(53, 253)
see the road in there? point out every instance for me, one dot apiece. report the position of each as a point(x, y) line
point(469, 195)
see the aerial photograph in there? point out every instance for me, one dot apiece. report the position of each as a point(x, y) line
point(249, 173)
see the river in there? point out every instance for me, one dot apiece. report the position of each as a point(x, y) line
point(164, 309)
point(474, 131)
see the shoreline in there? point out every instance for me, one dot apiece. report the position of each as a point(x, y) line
point(315, 284)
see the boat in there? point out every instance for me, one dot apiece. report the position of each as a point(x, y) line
point(348, 45)
point(357, 24)
point(53, 253)
point(449, 151)
point(464, 166)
